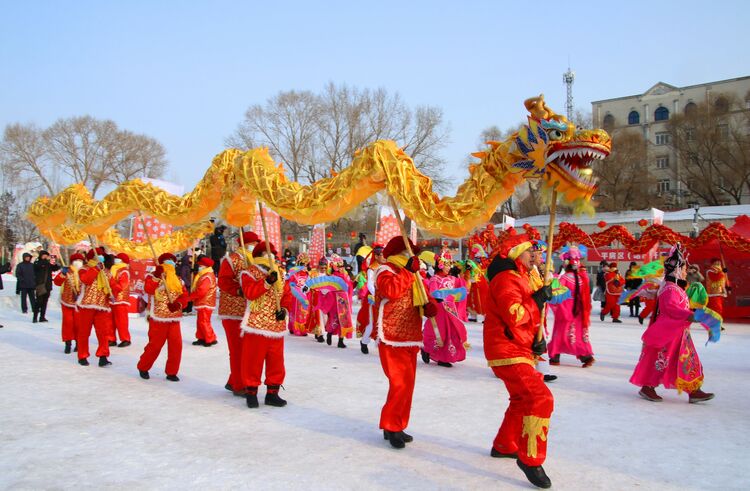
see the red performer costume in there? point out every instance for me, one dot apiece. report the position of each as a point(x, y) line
point(167, 298)
point(398, 328)
point(716, 286)
point(70, 287)
point(232, 306)
point(121, 291)
point(203, 296)
point(510, 330)
point(264, 327)
point(614, 285)
point(94, 308)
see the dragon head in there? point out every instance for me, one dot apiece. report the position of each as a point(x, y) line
point(569, 153)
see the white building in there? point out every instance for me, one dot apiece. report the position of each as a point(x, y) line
point(650, 111)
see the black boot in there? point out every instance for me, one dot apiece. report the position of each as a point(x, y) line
point(320, 339)
point(35, 319)
point(103, 361)
point(83, 362)
point(364, 349)
point(229, 387)
point(173, 378)
point(272, 397)
point(144, 374)
point(425, 356)
point(341, 343)
point(500, 455)
point(329, 338)
point(395, 438)
point(251, 397)
point(67, 347)
point(549, 378)
point(407, 438)
point(535, 474)
point(640, 320)
point(445, 364)
point(113, 343)
point(123, 344)
point(199, 342)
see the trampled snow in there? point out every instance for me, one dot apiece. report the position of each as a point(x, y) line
point(65, 426)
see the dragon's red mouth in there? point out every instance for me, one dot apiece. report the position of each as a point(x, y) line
point(573, 162)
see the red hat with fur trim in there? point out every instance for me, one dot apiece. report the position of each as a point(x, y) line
point(515, 245)
point(249, 237)
point(167, 256)
point(77, 257)
point(205, 261)
point(123, 257)
point(260, 249)
point(396, 245)
point(99, 251)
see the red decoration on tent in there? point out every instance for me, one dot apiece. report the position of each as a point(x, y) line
point(642, 222)
point(570, 233)
point(289, 238)
point(353, 234)
point(601, 224)
point(345, 244)
point(329, 235)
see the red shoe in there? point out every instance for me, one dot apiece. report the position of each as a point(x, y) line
point(700, 396)
point(649, 393)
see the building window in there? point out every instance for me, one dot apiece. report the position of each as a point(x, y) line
point(661, 114)
point(662, 186)
point(723, 131)
point(634, 118)
point(690, 108)
point(721, 104)
point(608, 122)
point(662, 162)
point(662, 138)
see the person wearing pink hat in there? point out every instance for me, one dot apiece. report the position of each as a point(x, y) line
point(203, 296)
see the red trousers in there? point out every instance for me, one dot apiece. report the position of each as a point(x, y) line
point(257, 350)
point(648, 309)
point(526, 423)
point(716, 304)
point(234, 344)
point(203, 329)
point(69, 327)
point(612, 306)
point(400, 366)
point(120, 323)
point(101, 321)
point(158, 334)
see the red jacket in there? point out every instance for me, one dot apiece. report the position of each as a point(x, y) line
point(610, 279)
point(511, 319)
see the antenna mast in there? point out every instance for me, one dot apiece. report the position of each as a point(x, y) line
point(568, 78)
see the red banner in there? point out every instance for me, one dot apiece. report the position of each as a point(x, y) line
point(273, 222)
point(317, 244)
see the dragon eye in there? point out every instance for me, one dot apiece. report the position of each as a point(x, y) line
point(554, 134)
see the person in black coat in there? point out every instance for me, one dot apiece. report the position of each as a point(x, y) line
point(218, 246)
point(43, 284)
point(603, 269)
point(26, 282)
point(4, 268)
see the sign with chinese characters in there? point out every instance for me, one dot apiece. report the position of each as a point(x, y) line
point(605, 254)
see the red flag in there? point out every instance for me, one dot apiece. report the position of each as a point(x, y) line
point(387, 225)
point(317, 244)
point(273, 222)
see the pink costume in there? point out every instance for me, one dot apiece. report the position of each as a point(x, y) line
point(668, 356)
point(300, 303)
point(452, 330)
point(570, 333)
point(337, 305)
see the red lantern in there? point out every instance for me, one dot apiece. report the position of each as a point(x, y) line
point(289, 238)
point(642, 222)
point(601, 224)
point(345, 244)
point(353, 234)
point(329, 235)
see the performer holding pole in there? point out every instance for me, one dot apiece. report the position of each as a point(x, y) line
point(400, 300)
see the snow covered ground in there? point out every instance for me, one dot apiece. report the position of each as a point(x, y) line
point(65, 426)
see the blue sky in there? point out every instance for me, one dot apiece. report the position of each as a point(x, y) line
point(184, 72)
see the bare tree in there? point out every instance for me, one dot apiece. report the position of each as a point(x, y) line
point(77, 150)
point(625, 182)
point(315, 134)
point(712, 142)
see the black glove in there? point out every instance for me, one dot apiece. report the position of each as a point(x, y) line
point(439, 300)
point(542, 296)
point(725, 270)
point(412, 264)
point(305, 289)
point(280, 315)
point(539, 347)
point(616, 282)
point(272, 277)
